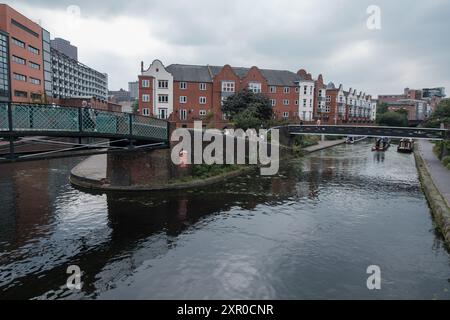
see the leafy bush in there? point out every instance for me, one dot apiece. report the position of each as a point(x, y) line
point(248, 109)
point(206, 171)
point(440, 115)
point(446, 161)
point(393, 119)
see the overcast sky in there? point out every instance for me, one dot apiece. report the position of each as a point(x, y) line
point(329, 37)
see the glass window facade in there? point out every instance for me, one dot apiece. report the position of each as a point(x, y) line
point(48, 78)
point(4, 67)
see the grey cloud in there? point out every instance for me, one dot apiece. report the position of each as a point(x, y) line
point(289, 35)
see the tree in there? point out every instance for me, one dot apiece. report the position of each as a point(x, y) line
point(393, 119)
point(382, 108)
point(440, 115)
point(248, 118)
point(135, 106)
point(248, 108)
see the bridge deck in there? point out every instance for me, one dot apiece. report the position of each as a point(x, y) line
point(370, 131)
point(51, 120)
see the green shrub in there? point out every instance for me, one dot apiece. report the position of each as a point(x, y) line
point(393, 119)
point(206, 171)
point(446, 161)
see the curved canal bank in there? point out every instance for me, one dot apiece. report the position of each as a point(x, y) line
point(92, 174)
point(309, 232)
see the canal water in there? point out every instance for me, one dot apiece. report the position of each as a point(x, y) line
point(310, 232)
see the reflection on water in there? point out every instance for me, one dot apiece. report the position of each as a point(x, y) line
point(309, 232)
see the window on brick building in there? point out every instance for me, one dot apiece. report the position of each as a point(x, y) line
point(20, 77)
point(228, 86)
point(33, 50)
point(328, 98)
point(18, 60)
point(286, 102)
point(145, 98)
point(34, 65)
point(202, 100)
point(183, 85)
point(163, 84)
point(183, 114)
point(255, 87)
point(273, 89)
point(146, 83)
point(145, 112)
point(297, 89)
point(296, 102)
point(202, 86)
point(273, 102)
point(36, 96)
point(35, 81)
point(20, 94)
point(287, 89)
point(183, 99)
point(285, 115)
point(202, 113)
point(19, 43)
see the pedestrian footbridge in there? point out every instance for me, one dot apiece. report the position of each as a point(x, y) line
point(43, 120)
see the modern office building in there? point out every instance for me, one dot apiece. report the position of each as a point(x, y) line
point(433, 92)
point(64, 46)
point(72, 79)
point(133, 88)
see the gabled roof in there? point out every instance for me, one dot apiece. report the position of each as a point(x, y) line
point(196, 73)
point(281, 77)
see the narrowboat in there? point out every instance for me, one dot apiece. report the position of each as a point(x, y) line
point(406, 146)
point(381, 144)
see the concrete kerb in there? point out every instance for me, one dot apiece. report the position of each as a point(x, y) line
point(439, 208)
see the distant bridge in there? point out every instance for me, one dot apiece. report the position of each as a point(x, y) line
point(370, 131)
point(42, 120)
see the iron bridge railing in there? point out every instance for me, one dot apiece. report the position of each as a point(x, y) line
point(371, 131)
point(60, 120)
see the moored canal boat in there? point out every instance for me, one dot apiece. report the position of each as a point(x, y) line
point(406, 146)
point(381, 144)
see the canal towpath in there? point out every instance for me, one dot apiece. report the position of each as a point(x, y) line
point(439, 174)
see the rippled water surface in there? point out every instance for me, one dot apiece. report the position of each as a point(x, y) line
point(310, 232)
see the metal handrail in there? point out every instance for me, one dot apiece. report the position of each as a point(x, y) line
point(24, 117)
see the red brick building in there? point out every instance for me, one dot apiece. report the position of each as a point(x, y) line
point(24, 56)
point(186, 93)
